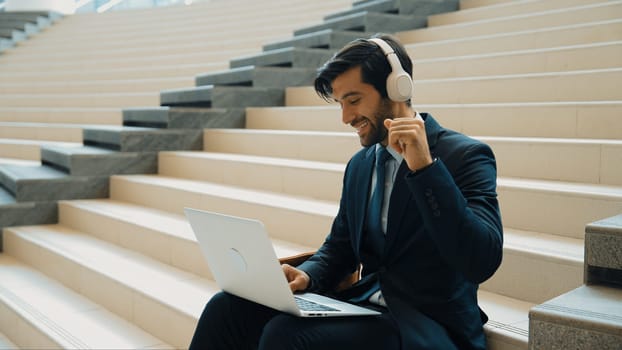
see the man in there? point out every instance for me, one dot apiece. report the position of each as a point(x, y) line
point(425, 237)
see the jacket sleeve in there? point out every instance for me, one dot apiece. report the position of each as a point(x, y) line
point(460, 210)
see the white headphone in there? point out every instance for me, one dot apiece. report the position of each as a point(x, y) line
point(399, 83)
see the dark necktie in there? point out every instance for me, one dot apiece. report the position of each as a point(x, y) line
point(374, 222)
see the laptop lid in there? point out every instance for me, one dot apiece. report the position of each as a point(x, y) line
point(243, 262)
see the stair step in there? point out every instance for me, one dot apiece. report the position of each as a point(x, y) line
point(118, 100)
point(557, 159)
point(41, 131)
point(586, 120)
point(161, 235)
point(284, 144)
point(66, 115)
point(274, 77)
point(555, 262)
point(368, 22)
point(555, 207)
point(141, 72)
point(322, 39)
point(95, 161)
point(528, 39)
point(141, 139)
point(97, 86)
point(28, 149)
point(13, 213)
point(600, 55)
point(589, 315)
point(39, 312)
point(322, 180)
point(505, 9)
point(183, 118)
point(602, 11)
point(586, 85)
point(294, 57)
point(124, 282)
point(307, 224)
point(508, 324)
point(222, 97)
point(44, 183)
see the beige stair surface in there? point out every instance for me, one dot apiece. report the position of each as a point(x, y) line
point(39, 312)
point(538, 80)
point(601, 11)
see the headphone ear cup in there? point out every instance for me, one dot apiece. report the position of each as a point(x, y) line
point(399, 86)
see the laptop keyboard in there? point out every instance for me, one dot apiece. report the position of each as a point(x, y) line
point(307, 305)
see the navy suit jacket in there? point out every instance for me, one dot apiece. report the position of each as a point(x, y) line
point(444, 237)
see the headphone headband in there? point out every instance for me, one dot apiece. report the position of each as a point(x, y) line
point(399, 82)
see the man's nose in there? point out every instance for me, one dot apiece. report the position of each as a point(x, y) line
point(347, 116)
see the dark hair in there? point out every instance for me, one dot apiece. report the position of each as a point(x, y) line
point(374, 66)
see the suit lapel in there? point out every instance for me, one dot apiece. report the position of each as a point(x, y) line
point(363, 176)
point(400, 196)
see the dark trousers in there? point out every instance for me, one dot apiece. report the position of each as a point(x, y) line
point(229, 322)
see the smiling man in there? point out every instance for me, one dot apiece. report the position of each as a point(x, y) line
point(418, 211)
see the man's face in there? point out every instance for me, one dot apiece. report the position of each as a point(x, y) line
point(362, 107)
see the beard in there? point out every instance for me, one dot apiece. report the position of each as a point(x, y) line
point(378, 132)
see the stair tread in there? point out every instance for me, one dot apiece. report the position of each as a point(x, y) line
point(185, 291)
point(275, 161)
point(318, 207)
point(570, 188)
point(171, 224)
point(72, 318)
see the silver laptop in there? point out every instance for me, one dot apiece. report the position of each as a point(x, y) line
point(243, 262)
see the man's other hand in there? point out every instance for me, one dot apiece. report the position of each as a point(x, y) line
point(298, 279)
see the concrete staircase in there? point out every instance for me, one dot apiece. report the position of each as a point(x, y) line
point(63, 93)
point(537, 80)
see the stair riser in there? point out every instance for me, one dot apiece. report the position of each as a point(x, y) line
point(116, 74)
point(300, 227)
point(582, 58)
point(20, 151)
point(565, 36)
point(116, 100)
point(318, 183)
point(43, 132)
point(506, 25)
point(120, 61)
point(591, 121)
point(170, 249)
point(317, 147)
point(534, 278)
point(560, 213)
point(169, 324)
point(369, 22)
point(68, 116)
point(97, 87)
point(326, 39)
